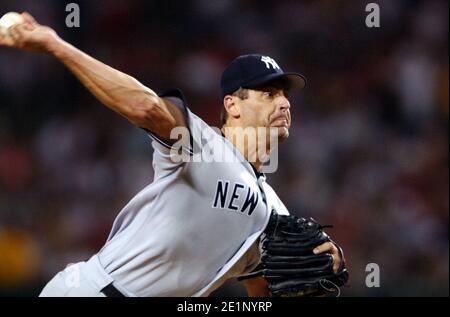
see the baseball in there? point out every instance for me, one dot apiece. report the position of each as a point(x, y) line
point(8, 20)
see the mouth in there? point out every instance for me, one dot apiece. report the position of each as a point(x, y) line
point(280, 121)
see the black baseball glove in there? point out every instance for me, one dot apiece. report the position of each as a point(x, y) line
point(289, 264)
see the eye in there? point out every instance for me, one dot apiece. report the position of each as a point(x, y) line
point(268, 94)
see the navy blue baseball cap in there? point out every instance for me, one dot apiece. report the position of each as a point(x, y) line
point(253, 70)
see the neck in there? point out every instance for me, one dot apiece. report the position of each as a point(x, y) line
point(254, 149)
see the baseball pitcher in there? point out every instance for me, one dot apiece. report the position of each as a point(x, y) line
point(209, 215)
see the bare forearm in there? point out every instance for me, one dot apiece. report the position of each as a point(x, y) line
point(116, 90)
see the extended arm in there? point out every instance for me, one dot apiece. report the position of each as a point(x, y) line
point(116, 90)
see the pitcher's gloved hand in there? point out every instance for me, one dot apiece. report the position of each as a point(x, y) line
point(289, 263)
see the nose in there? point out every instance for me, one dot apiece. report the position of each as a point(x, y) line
point(283, 103)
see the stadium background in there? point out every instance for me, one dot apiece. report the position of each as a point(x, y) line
point(368, 150)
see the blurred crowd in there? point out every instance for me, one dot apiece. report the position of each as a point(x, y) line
point(368, 150)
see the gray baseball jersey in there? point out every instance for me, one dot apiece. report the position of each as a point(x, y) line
point(195, 226)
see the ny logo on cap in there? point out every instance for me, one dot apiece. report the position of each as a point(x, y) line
point(270, 62)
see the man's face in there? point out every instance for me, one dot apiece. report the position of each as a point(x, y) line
point(267, 106)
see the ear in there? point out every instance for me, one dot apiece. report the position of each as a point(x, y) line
point(230, 105)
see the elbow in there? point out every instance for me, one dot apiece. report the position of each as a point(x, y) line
point(144, 107)
point(142, 110)
point(149, 112)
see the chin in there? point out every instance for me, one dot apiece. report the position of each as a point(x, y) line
point(283, 134)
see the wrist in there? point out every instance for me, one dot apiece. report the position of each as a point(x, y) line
point(55, 46)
